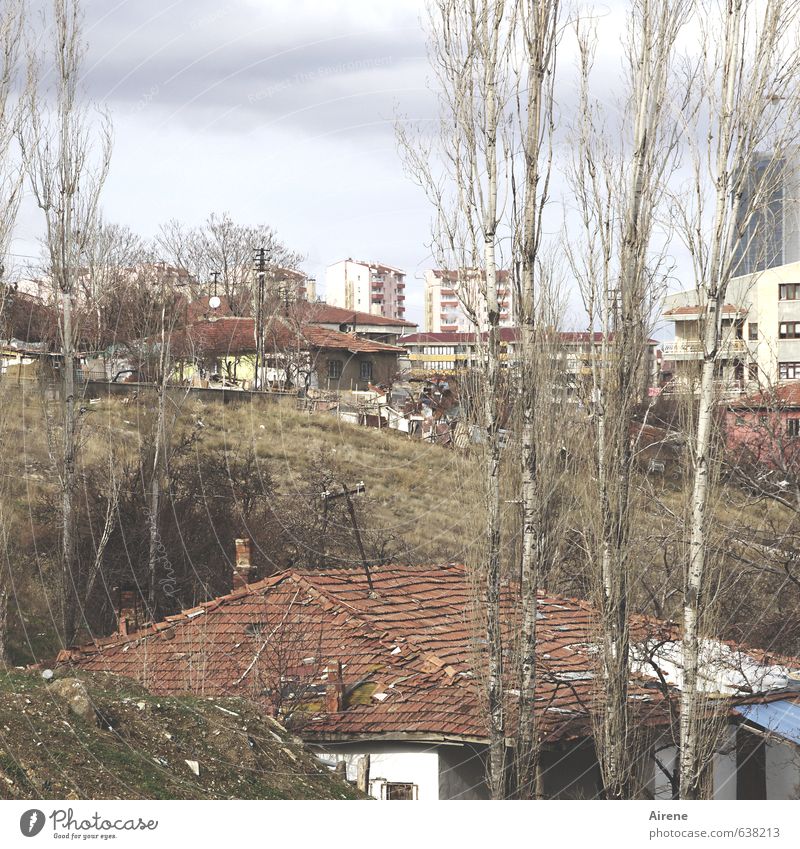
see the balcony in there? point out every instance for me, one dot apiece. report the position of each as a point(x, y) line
point(682, 349)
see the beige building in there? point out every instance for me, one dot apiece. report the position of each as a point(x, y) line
point(761, 330)
point(366, 287)
point(453, 303)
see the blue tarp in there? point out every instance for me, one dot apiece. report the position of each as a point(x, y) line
point(782, 718)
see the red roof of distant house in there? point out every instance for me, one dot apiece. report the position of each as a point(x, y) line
point(784, 396)
point(407, 652)
point(727, 309)
point(304, 311)
point(322, 313)
point(231, 336)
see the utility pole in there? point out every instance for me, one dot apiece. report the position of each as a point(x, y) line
point(260, 266)
point(358, 489)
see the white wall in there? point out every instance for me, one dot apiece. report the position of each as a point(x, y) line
point(394, 762)
point(783, 770)
point(335, 284)
point(420, 768)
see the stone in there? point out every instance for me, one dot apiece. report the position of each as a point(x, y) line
point(74, 693)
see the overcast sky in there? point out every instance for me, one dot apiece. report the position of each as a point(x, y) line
point(277, 112)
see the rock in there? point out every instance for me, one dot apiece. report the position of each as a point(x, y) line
point(74, 693)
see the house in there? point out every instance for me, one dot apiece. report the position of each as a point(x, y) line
point(296, 354)
point(366, 287)
point(761, 319)
point(379, 672)
point(764, 428)
point(760, 331)
point(379, 328)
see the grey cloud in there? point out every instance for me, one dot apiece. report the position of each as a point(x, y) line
point(223, 63)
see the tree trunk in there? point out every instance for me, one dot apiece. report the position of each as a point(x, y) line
point(693, 756)
point(69, 570)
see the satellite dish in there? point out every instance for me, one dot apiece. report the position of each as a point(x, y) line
point(214, 302)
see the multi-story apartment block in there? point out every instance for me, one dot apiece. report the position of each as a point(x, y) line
point(453, 303)
point(452, 352)
point(366, 287)
point(761, 330)
point(761, 319)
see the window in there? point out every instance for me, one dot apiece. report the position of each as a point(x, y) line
point(752, 331)
point(789, 291)
point(334, 369)
point(793, 427)
point(395, 790)
point(752, 371)
point(788, 371)
point(366, 370)
point(789, 330)
point(739, 420)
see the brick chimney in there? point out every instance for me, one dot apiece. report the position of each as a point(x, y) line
point(334, 692)
point(127, 611)
point(242, 568)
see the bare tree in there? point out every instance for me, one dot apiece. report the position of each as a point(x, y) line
point(469, 50)
point(11, 180)
point(66, 172)
point(224, 248)
point(748, 62)
point(619, 184)
point(11, 174)
point(537, 356)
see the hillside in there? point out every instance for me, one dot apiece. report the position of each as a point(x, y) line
point(102, 737)
point(423, 505)
point(416, 508)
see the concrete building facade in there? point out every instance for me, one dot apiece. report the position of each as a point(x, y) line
point(366, 287)
point(761, 331)
point(453, 302)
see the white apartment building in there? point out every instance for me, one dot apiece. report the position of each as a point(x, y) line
point(453, 298)
point(366, 287)
point(761, 319)
point(761, 329)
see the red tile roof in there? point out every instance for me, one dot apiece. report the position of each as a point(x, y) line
point(230, 336)
point(408, 653)
point(321, 313)
point(306, 312)
point(784, 396)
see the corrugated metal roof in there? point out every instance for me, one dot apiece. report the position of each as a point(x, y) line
point(780, 717)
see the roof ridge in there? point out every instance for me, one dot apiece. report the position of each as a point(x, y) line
point(175, 618)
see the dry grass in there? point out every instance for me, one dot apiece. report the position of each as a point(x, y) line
point(416, 489)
